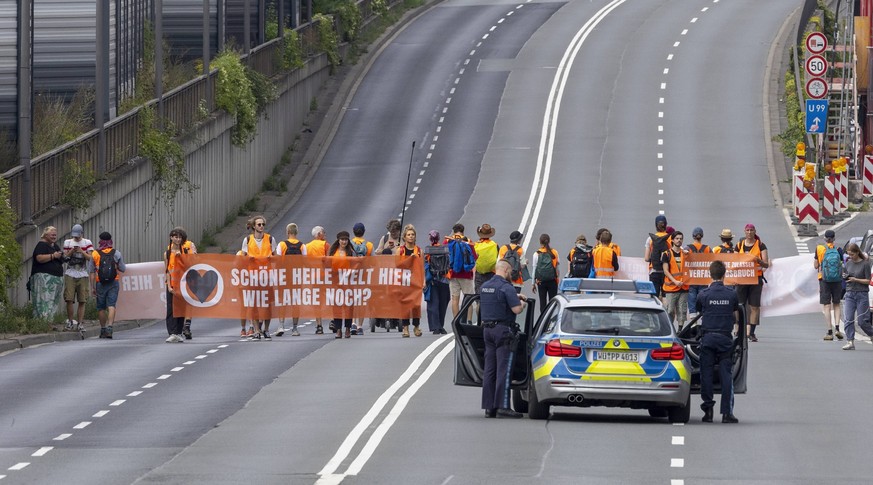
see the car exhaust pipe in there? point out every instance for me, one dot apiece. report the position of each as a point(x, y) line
point(575, 398)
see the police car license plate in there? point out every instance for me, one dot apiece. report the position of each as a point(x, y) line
point(618, 356)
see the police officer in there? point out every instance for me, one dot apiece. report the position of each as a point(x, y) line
point(499, 304)
point(720, 309)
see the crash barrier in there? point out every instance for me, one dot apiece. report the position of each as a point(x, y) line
point(791, 288)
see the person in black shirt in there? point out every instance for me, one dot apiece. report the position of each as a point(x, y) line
point(720, 309)
point(46, 282)
point(499, 304)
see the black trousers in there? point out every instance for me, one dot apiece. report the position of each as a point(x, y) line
point(546, 290)
point(437, 306)
point(174, 324)
point(495, 377)
point(715, 352)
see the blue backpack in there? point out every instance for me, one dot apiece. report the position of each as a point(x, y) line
point(832, 266)
point(461, 256)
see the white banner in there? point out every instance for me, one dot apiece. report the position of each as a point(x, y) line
point(142, 294)
point(791, 287)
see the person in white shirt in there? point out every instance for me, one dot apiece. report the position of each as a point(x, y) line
point(77, 285)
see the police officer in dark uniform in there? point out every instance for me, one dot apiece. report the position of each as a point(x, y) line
point(720, 308)
point(499, 304)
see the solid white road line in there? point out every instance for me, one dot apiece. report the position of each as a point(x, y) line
point(550, 123)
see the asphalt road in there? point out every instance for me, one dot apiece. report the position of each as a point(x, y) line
point(679, 79)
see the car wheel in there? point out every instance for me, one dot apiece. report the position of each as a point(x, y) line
point(680, 414)
point(518, 403)
point(536, 409)
point(658, 412)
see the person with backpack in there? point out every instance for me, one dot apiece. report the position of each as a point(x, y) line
point(290, 247)
point(106, 268)
point(829, 264)
point(579, 258)
point(857, 307)
point(486, 251)
point(260, 245)
point(362, 248)
point(727, 243)
point(513, 254)
point(604, 260)
point(656, 244)
point(462, 258)
point(436, 267)
point(750, 295)
point(545, 263)
point(178, 328)
point(696, 246)
point(409, 250)
point(318, 248)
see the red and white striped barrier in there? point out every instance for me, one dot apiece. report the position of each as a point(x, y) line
point(844, 191)
point(868, 175)
point(799, 191)
point(829, 201)
point(807, 210)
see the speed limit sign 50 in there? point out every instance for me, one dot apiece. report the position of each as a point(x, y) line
point(816, 66)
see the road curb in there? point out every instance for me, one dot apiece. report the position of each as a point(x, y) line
point(92, 331)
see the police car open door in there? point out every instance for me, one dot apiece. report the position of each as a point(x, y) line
point(690, 336)
point(470, 344)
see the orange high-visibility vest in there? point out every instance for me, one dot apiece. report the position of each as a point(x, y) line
point(755, 251)
point(265, 250)
point(678, 272)
point(603, 262)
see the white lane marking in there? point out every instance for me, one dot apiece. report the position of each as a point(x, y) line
point(484, 36)
point(550, 122)
point(685, 31)
point(678, 440)
point(117, 403)
point(472, 52)
point(663, 85)
point(493, 28)
point(660, 141)
point(62, 436)
point(19, 466)
point(660, 100)
point(421, 173)
point(425, 164)
point(150, 385)
point(2, 477)
point(660, 191)
point(163, 376)
point(82, 425)
point(417, 181)
point(222, 346)
point(660, 127)
point(415, 189)
point(660, 201)
point(134, 394)
point(461, 71)
point(211, 351)
point(676, 44)
point(677, 462)
point(704, 9)
point(500, 21)
point(346, 447)
point(191, 361)
point(694, 20)
point(439, 128)
point(176, 369)
point(678, 424)
point(660, 114)
point(100, 414)
point(433, 147)
point(383, 428)
point(451, 91)
point(42, 451)
point(445, 109)
point(201, 356)
point(670, 57)
point(661, 212)
point(660, 155)
point(510, 13)
point(677, 482)
point(660, 168)
point(660, 181)
point(666, 70)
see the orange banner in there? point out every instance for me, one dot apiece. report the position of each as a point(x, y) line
point(741, 268)
point(227, 286)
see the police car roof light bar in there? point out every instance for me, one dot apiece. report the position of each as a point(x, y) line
point(591, 285)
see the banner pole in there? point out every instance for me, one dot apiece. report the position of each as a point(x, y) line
point(406, 193)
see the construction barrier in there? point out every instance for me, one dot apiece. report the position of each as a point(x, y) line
point(844, 191)
point(808, 209)
point(828, 208)
point(868, 176)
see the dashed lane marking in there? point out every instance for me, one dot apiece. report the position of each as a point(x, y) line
point(42, 451)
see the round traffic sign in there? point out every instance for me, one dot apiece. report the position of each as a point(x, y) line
point(816, 43)
point(816, 88)
point(816, 66)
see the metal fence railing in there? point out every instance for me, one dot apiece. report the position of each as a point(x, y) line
point(182, 107)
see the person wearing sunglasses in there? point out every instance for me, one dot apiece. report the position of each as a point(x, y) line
point(258, 245)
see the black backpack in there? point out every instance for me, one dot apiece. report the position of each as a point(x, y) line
point(660, 244)
point(580, 264)
point(291, 249)
point(107, 270)
point(438, 260)
point(513, 257)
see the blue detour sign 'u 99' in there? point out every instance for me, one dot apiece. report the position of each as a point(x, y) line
point(816, 115)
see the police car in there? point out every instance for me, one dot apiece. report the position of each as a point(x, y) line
point(598, 343)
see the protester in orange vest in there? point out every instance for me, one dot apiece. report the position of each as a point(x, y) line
point(545, 264)
point(675, 287)
point(406, 250)
point(615, 247)
point(259, 245)
point(178, 328)
point(290, 247)
point(830, 292)
point(696, 246)
point(727, 245)
point(318, 248)
point(579, 259)
point(340, 249)
point(105, 287)
point(751, 294)
point(514, 246)
point(605, 259)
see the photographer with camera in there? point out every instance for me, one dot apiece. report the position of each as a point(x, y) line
point(77, 285)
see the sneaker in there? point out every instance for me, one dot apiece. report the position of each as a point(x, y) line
point(319, 330)
point(243, 334)
point(849, 346)
point(171, 339)
point(829, 337)
point(109, 331)
point(417, 331)
point(839, 335)
point(68, 324)
point(251, 332)
point(255, 336)
point(103, 332)
point(280, 332)
point(752, 338)
point(443, 331)
point(729, 418)
point(360, 331)
point(186, 332)
point(295, 333)
point(508, 413)
point(405, 332)
point(266, 335)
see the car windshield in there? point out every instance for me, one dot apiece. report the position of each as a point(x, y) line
point(609, 321)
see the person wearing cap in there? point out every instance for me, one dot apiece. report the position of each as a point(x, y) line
point(829, 292)
point(77, 286)
point(751, 294)
point(436, 259)
point(340, 249)
point(514, 246)
point(727, 242)
point(656, 270)
point(487, 252)
point(696, 246)
point(290, 247)
point(107, 293)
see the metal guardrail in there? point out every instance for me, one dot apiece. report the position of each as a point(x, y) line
point(182, 108)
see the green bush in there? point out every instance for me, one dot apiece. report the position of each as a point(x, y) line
point(10, 250)
point(243, 93)
point(167, 157)
point(78, 187)
point(20, 321)
point(327, 38)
